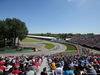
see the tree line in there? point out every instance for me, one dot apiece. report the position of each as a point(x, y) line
point(10, 29)
point(61, 35)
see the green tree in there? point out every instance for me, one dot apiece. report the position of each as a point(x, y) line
point(20, 30)
point(11, 29)
point(2, 33)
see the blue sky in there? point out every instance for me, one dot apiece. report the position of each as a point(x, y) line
point(54, 16)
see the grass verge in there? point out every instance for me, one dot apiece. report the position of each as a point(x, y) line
point(67, 53)
point(48, 45)
point(69, 47)
point(30, 40)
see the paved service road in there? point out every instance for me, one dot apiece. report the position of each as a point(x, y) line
point(58, 48)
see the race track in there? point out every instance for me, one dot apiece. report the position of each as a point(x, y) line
point(58, 48)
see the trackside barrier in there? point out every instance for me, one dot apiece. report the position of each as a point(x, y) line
point(78, 48)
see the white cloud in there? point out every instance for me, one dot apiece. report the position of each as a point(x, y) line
point(80, 2)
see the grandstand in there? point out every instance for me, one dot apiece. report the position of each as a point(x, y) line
point(92, 41)
point(42, 37)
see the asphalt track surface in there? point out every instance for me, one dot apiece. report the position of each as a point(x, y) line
point(58, 48)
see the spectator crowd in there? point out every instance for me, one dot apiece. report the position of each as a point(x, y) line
point(20, 65)
point(74, 64)
point(59, 64)
point(88, 40)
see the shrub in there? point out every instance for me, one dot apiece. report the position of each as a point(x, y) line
point(2, 49)
point(29, 48)
point(19, 49)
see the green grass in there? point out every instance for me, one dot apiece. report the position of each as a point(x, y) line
point(4, 48)
point(48, 45)
point(30, 40)
point(21, 52)
point(67, 53)
point(29, 48)
point(69, 47)
point(17, 52)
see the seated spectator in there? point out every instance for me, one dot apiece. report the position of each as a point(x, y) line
point(2, 66)
point(80, 65)
point(16, 64)
point(53, 66)
point(59, 62)
point(49, 60)
point(11, 71)
point(68, 71)
point(1, 72)
point(27, 65)
point(21, 65)
point(71, 64)
point(7, 67)
point(77, 71)
point(36, 63)
point(58, 70)
point(23, 72)
point(86, 62)
point(98, 70)
point(16, 70)
point(65, 66)
point(90, 70)
point(34, 68)
point(44, 71)
point(29, 71)
point(40, 61)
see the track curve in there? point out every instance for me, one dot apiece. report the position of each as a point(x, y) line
point(58, 48)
